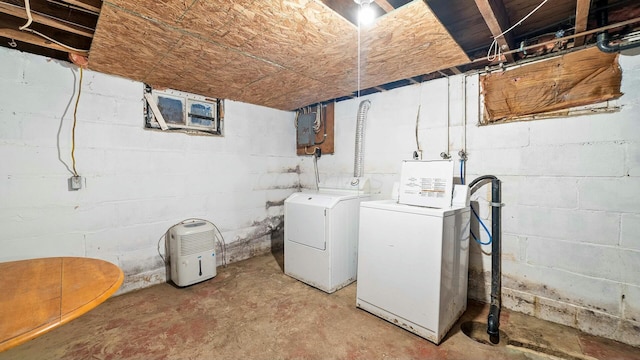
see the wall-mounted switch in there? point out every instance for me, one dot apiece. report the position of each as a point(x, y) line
point(75, 183)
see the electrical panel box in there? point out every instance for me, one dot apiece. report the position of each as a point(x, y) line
point(305, 133)
point(322, 136)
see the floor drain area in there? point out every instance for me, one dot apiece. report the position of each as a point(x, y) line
point(478, 332)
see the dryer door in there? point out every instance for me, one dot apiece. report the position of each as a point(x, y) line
point(304, 219)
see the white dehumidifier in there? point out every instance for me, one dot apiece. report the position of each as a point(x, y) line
point(192, 252)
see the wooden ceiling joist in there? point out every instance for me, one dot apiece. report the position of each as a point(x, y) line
point(495, 15)
point(582, 18)
point(21, 12)
point(35, 40)
point(91, 5)
point(384, 4)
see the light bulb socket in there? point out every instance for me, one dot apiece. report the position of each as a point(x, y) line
point(366, 14)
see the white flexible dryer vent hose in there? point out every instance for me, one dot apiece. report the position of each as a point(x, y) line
point(358, 164)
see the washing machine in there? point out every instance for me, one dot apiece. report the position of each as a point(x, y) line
point(412, 265)
point(321, 233)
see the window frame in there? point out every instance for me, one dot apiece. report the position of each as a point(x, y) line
point(187, 100)
point(575, 83)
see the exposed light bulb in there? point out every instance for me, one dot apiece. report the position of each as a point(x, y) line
point(366, 14)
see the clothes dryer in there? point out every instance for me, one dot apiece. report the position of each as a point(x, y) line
point(321, 233)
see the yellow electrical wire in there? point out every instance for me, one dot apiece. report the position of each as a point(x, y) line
point(311, 153)
point(73, 130)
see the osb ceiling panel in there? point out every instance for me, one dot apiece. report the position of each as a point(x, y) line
point(169, 11)
point(129, 45)
point(407, 42)
point(283, 54)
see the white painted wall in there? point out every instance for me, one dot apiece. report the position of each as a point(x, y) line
point(571, 186)
point(571, 224)
point(138, 182)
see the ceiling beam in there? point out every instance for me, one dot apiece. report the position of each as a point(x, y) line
point(569, 37)
point(35, 40)
point(91, 5)
point(495, 15)
point(39, 18)
point(582, 17)
point(346, 9)
point(384, 4)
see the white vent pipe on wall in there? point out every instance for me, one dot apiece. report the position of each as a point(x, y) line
point(358, 163)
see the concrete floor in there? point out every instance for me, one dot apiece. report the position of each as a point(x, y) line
point(251, 310)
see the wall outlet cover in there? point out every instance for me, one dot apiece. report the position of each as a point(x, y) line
point(75, 183)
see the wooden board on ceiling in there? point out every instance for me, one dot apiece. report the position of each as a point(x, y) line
point(185, 50)
point(280, 54)
point(170, 12)
point(128, 45)
point(302, 36)
point(295, 92)
point(407, 42)
point(197, 56)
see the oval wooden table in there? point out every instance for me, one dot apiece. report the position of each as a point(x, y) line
point(39, 295)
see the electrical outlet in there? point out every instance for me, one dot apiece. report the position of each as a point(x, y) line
point(75, 183)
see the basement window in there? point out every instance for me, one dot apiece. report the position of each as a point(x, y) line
point(577, 83)
point(173, 110)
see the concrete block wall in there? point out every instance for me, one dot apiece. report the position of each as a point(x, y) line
point(137, 182)
point(571, 188)
point(570, 185)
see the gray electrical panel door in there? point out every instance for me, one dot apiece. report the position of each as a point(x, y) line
point(306, 135)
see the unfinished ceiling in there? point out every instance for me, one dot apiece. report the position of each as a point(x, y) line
point(287, 54)
point(281, 54)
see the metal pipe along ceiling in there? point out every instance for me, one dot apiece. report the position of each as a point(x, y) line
point(603, 41)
